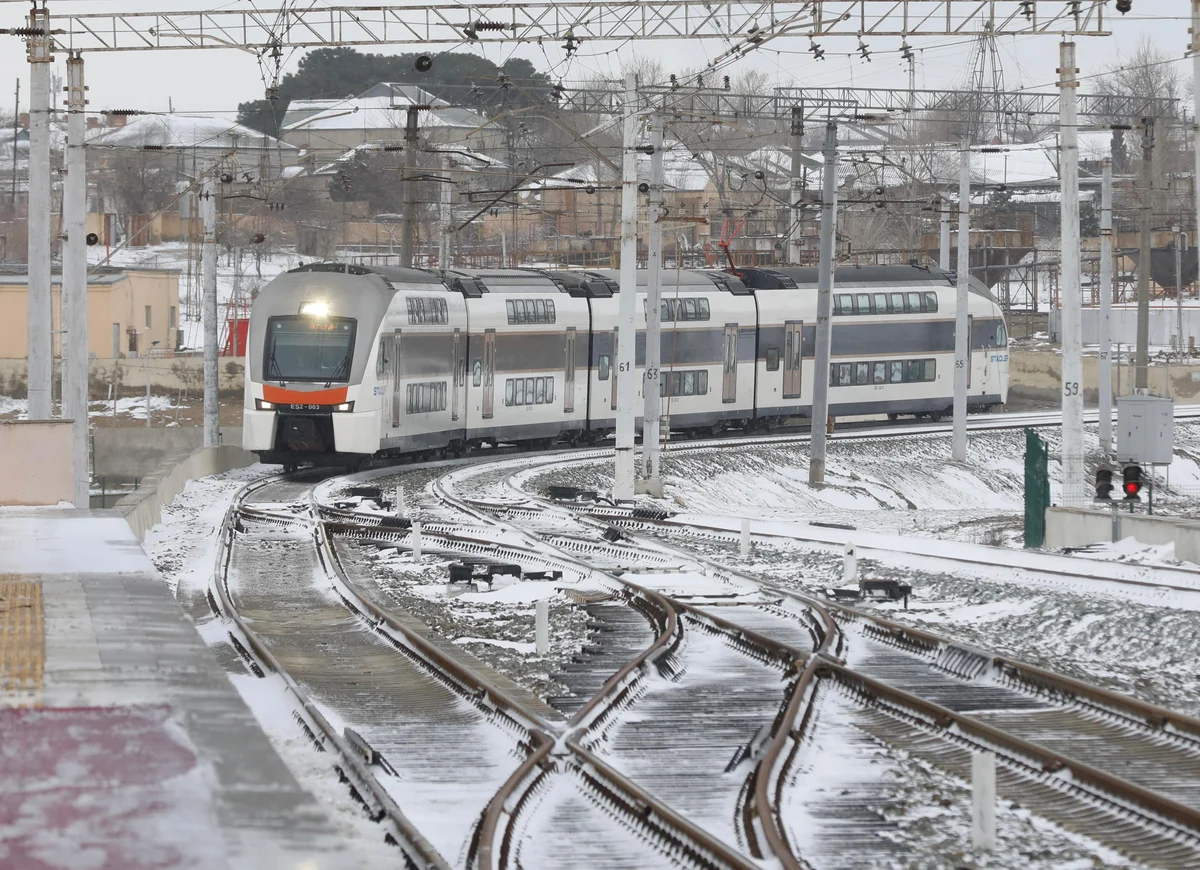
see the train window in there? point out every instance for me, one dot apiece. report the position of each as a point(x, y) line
point(539, 395)
point(930, 369)
point(549, 390)
point(931, 302)
point(896, 303)
point(916, 370)
point(862, 373)
point(880, 373)
point(843, 304)
point(862, 303)
point(881, 303)
point(691, 311)
point(1000, 339)
point(540, 307)
point(427, 309)
point(508, 392)
point(773, 358)
point(550, 311)
point(425, 398)
point(845, 374)
point(477, 374)
point(689, 383)
point(381, 358)
point(912, 303)
point(512, 310)
point(896, 372)
point(703, 309)
point(602, 366)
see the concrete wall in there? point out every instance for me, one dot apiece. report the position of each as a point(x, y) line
point(1164, 323)
point(1036, 375)
point(1078, 527)
point(143, 509)
point(123, 454)
point(170, 374)
point(36, 464)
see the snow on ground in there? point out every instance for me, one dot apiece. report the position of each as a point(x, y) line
point(1132, 639)
point(183, 547)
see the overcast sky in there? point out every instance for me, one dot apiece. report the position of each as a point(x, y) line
point(217, 80)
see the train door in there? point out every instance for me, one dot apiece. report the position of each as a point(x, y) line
point(393, 358)
point(729, 379)
point(792, 358)
point(970, 354)
point(615, 365)
point(456, 372)
point(489, 371)
point(569, 373)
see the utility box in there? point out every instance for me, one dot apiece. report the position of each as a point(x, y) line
point(1145, 430)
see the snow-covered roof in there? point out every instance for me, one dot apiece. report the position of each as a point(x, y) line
point(185, 131)
point(682, 171)
point(383, 107)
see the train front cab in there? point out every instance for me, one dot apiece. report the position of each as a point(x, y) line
point(311, 336)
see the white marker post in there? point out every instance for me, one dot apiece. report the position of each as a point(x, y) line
point(850, 566)
point(416, 542)
point(401, 507)
point(983, 801)
point(542, 626)
point(745, 539)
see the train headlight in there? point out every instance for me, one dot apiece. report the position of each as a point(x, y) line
point(264, 406)
point(345, 406)
point(314, 309)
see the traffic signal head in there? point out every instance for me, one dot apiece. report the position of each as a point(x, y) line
point(1104, 484)
point(1132, 482)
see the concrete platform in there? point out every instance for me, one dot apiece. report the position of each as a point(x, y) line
point(122, 742)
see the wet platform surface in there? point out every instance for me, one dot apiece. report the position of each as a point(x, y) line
point(122, 742)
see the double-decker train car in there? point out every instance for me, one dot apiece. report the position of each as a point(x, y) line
point(348, 362)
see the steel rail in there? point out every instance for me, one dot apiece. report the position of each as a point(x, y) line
point(419, 852)
point(1135, 711)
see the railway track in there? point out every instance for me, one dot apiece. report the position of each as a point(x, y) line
point(1131, 767)
point(281, 584)
point(609, 769)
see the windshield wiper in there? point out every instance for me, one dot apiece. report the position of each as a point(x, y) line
point(341, 371)
point(273, 365)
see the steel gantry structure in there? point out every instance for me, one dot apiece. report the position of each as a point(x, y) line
point(743, 26)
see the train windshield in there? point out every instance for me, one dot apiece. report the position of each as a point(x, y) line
point(309, 349)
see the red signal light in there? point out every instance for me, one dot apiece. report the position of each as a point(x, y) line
point(1133, 487)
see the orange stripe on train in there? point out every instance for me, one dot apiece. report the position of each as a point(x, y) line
point(281, 396)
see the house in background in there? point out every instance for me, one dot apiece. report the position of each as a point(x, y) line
point(128, 310)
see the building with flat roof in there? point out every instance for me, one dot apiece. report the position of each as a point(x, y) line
point(128, 310)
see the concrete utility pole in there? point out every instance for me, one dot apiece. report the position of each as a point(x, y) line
point(820, 403)
point(624, 484)
point(1179, 235)
point(652, 379)
point(1106, 290)
point(797, 185)
point(40, 361)
point(944, 235)
point(74, 286)
point(1072, 312)
point(962, 352)
point(208, 268)
point(1195, 50)
point(1142, 374)
point(444, 216)
point(408, 239)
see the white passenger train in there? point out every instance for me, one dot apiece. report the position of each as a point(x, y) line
point(347, 362)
